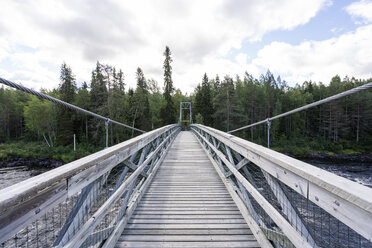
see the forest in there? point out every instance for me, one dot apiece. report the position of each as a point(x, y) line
point(31, 127)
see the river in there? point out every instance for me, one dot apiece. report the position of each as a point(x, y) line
point(357, 172)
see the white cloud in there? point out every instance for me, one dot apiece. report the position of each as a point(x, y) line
point(241, 58)
point(361, 9)
point(37, 36)
point(347, 55)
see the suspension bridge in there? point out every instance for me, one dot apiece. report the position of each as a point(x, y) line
point(196, 188)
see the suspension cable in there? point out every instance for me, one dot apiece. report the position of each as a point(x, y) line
point(65, 104)
point(311, 105)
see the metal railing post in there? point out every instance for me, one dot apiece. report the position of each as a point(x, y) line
point(106, 126)
point(268, 121)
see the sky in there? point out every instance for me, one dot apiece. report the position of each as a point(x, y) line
point(296, 40)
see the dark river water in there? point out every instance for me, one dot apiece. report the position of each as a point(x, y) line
point(10, 176)
point(357, 172)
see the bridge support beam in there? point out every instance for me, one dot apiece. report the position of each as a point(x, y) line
point(295, 237)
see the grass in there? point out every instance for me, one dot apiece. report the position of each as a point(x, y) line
point(66, 154)
point(302, 147)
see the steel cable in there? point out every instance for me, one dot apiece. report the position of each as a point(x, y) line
point(311, 105)
point(65, 104)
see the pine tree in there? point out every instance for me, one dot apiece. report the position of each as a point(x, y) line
point(98, 91)
point(67, 86)
point(207, 110)
point(141, 106)
point(227, 108)
point(67, 91)
point(203, 101)
point(98, 99)
point(141, 81)
point(168, 113)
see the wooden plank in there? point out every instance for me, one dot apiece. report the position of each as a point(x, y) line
point(188, 226)
point(186, 203)
point(238, 166)
point(115, 235)
point(92, 222)
point(33, 190)
point(347, 201)
point(176, 204)
point(184, 216)
point(285, 226)
point(216, 244)
point(190, 212)
point(245, 231)
point(256, 230)
point(185, 197)
point(181, 238)
point(188, 208)
point(16, 194)
point(14, 219)
point(186, 221)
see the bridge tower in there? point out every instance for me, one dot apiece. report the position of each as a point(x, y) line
point(185, 106)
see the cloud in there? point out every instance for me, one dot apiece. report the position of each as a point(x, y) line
point(131, 34)
point(361, 10)
point(260, 17)
point(241, 58)
point(349, 54)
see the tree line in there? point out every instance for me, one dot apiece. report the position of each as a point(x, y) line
point(223, 103)
point(26, 117)
point(344, 124)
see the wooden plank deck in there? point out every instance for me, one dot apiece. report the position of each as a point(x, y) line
point(187, 205)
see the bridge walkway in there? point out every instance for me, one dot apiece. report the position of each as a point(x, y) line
point(187, 205)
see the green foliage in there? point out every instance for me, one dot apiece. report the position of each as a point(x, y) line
point(199, 119)
point(156, 102)
point(42, 150)
point(343, 126)
point(41, 117)
point(168, 112)
point(67, 91)
point(140, 106)
point(203, 104)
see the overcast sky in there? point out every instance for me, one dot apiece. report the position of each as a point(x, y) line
point(298, 40)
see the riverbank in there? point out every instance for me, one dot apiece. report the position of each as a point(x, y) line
point(28, 153)
point(46, 163)
point(339, 158)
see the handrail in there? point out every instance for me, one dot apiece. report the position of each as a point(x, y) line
point(311, 105)
point(65, 104)
point(348, 201)
point(24, 202)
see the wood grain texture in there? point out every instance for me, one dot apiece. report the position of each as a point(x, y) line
point(348, 201)
point(187, 205)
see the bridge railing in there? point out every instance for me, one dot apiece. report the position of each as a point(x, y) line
point(86, 202)
point(293, 203)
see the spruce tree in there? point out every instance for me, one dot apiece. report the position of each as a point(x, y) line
point(98, 99)
point(207, 105)
point(203, 101)
point(67, 91)
point(141, 81)
point(168, 112)
point(141, 106)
